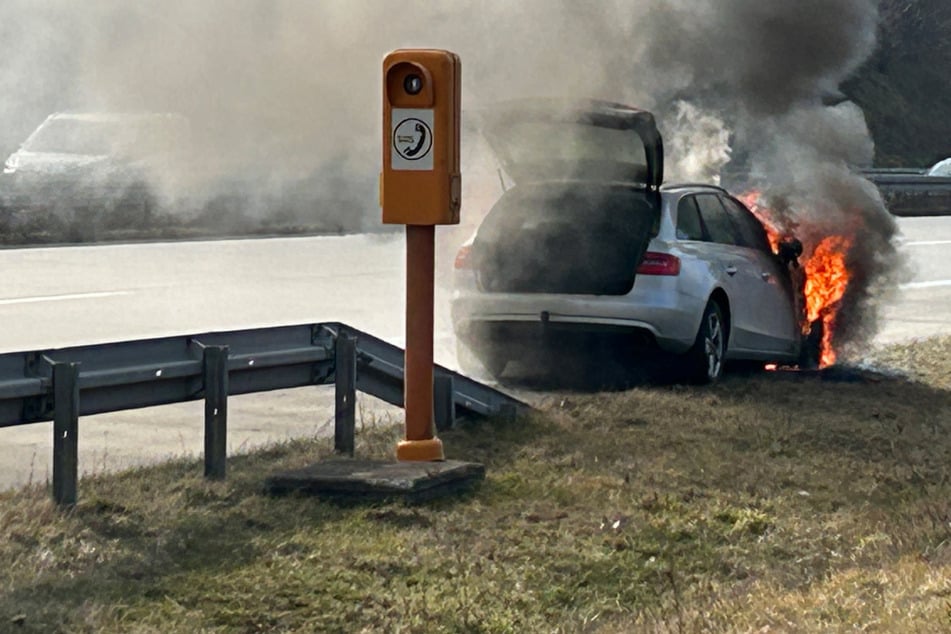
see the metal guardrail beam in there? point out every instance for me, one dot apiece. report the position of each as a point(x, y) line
point(145, 373)
point(380, 372)
point(63, 384)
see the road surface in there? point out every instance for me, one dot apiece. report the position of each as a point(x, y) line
point(55, 297)
point(922, 307)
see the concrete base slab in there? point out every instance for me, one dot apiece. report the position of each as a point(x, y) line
point(348, 479)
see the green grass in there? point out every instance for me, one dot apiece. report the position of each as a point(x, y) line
point(762, 504)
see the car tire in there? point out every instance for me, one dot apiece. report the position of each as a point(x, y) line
point(83, 225)
point(134, 210)
point(6, 222)
point(705, 360)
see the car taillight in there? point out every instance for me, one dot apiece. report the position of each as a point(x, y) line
point(462, 257)
point(659, 264)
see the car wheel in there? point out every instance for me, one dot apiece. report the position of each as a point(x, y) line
point(485, 364)
point(133, 210)
point(83, 225)
point(706, 358)
point(6, 222)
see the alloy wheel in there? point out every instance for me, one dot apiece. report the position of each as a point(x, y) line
point(713, 345)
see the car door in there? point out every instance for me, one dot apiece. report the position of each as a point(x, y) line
point(775, 326)
point(730, 266)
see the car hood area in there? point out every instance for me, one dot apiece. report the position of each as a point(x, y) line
point(580, 140)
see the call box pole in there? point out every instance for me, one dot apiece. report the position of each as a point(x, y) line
point(420, 442)
point(420, 187)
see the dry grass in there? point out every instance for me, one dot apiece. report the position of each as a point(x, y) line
point(924, 361)
point(765, 504)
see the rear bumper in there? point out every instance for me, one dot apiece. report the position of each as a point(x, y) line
point(522, 340)
point(658, 315)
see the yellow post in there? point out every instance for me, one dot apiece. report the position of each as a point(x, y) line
point(420, 187)
point(420, 442)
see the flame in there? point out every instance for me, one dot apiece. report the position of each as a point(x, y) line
point(765, 216)
point(827, 278)
point(826, 273)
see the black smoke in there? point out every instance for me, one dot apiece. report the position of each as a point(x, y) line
point(771, 70)
point(282, 92)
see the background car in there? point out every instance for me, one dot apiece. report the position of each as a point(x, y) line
point(941, 168)
point(588, 252)
point(89, 165)
point(85, 174)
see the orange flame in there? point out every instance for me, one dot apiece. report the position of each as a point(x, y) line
point(765, 216)
point(827, 279)
point(826, 274)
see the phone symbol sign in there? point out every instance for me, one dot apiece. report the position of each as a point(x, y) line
point(412, 139)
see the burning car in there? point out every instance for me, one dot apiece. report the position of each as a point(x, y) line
point(91, 164)
point(589, 245)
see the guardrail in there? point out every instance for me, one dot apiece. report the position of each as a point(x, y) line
point(60, 385)
point(913, 194)
point(905, 191)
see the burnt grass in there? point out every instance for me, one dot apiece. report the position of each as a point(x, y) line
point(768, 502)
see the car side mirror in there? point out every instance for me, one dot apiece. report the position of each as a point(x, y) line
point(789, 251)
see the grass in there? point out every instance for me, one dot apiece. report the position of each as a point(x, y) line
point(764, 504)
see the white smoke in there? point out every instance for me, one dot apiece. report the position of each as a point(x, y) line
point(697, 143)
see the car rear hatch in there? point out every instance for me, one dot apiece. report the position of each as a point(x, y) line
point(586, 198)
point(547, 139)
point(572, 238)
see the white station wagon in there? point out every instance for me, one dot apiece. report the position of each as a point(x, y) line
point(588, 249)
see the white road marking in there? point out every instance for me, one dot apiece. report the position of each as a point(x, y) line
point(60, 298)
point(925, 243)
point(929, 284)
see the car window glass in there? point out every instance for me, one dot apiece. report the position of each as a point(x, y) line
point(749, 229)
point(689, 226)
point(718, 223)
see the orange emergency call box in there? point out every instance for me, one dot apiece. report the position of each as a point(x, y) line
point(421, 182)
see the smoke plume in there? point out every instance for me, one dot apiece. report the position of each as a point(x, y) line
point(769, 68)
point(281, 92)
point(697, 143)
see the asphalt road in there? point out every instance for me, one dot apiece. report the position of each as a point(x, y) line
point(55, 297)
point(921, 307)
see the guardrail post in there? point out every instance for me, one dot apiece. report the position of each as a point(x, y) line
point(444, 401)
point(65, 433)
point(216, 410)
point(345, 384)
point(507, 412)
